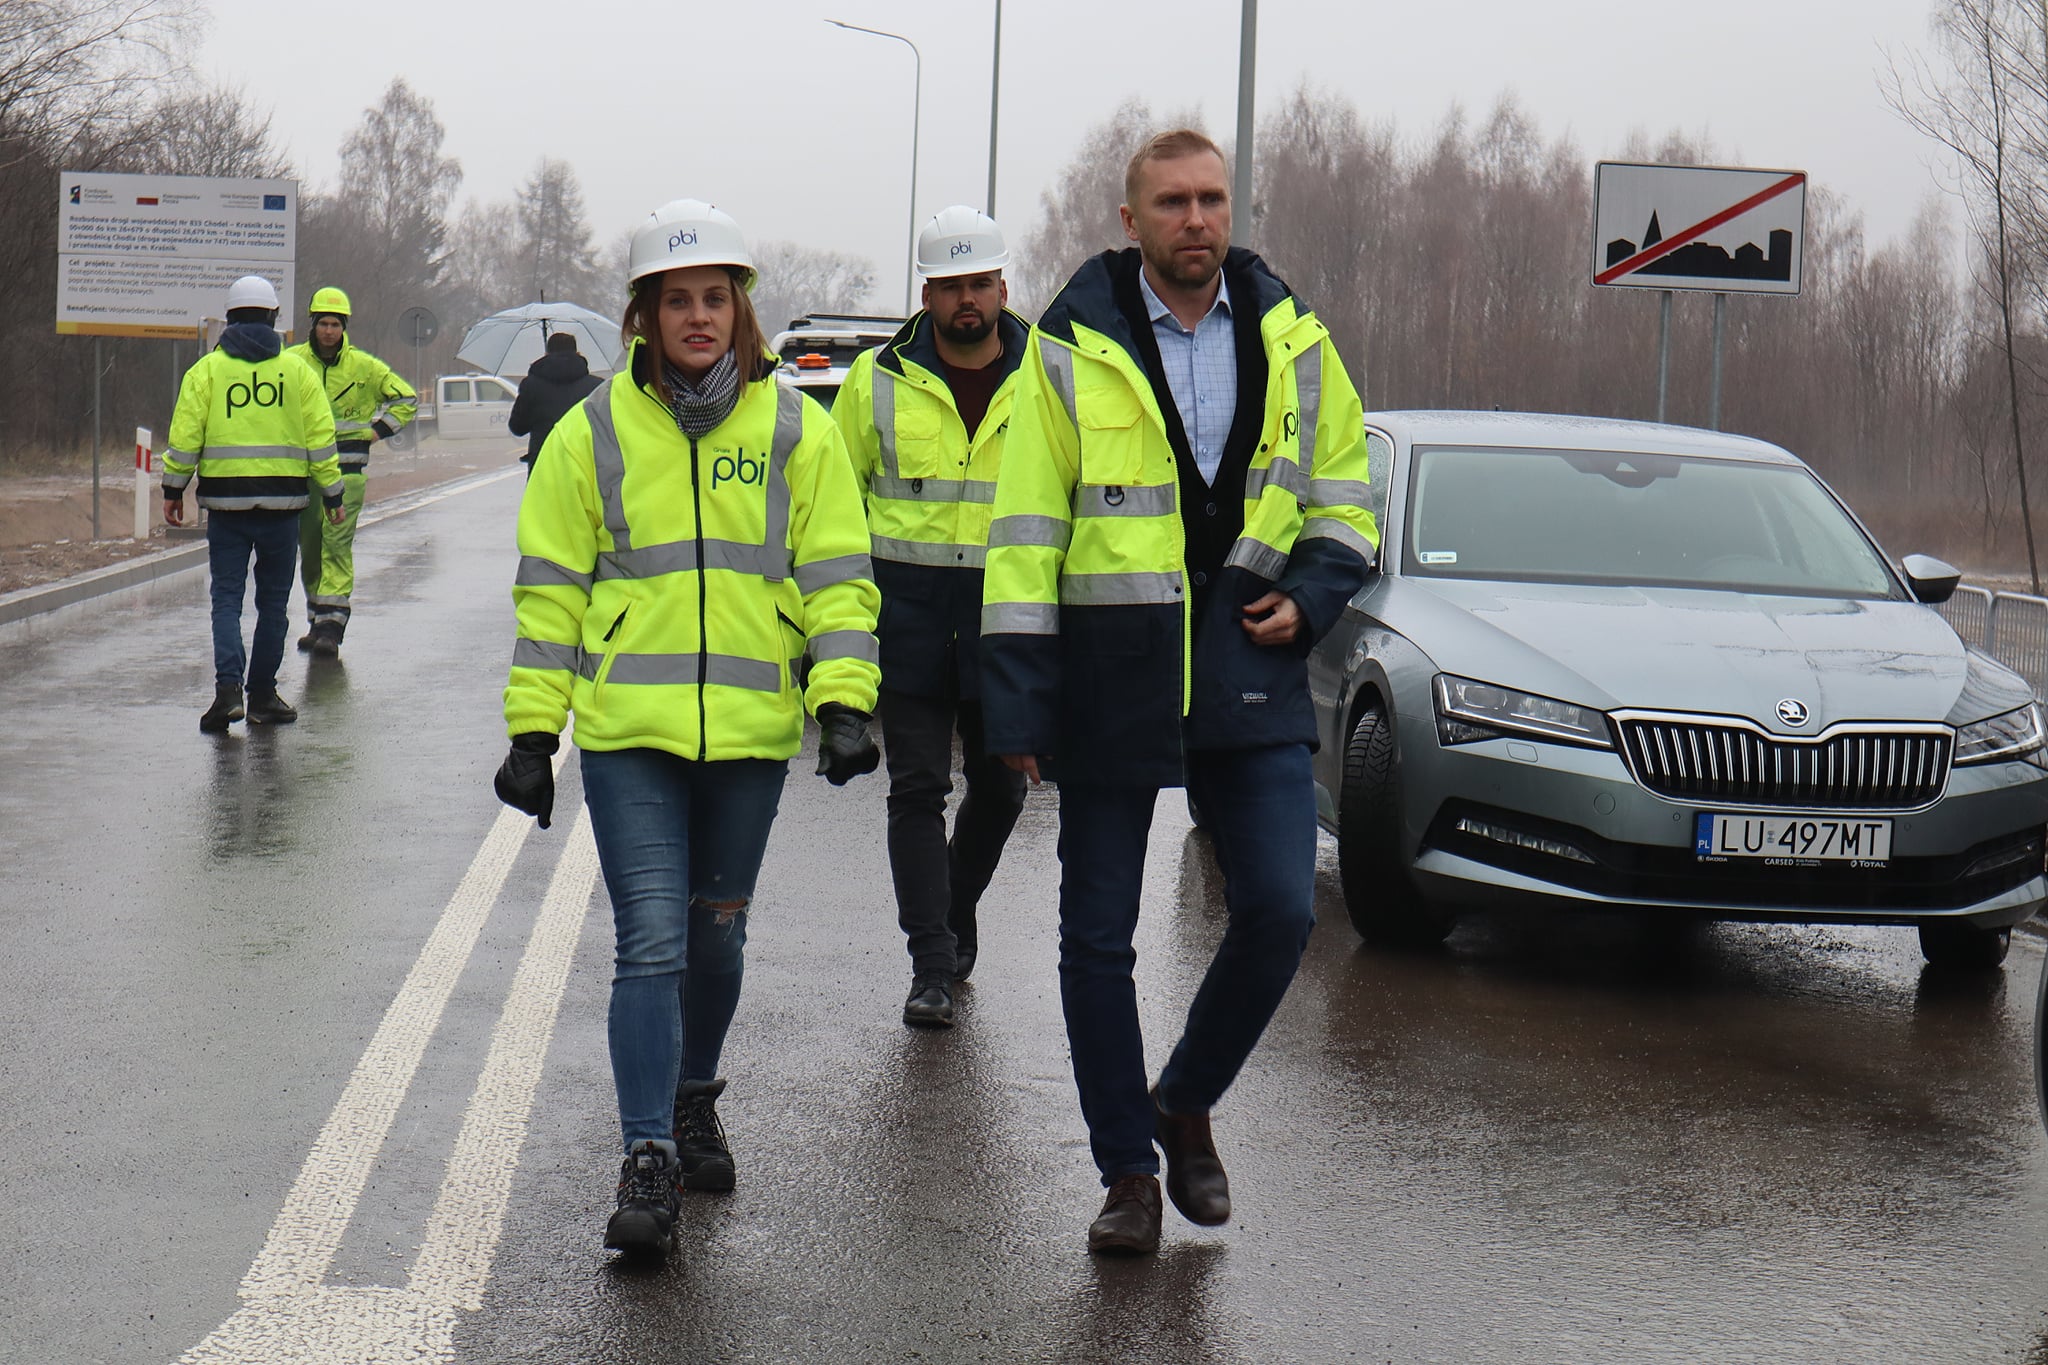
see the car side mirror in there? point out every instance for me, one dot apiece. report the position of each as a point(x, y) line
point(1932, 581)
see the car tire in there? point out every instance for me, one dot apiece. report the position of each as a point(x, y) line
point(1963, 946)
point(1384, 906)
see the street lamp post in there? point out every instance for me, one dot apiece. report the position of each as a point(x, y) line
point(916, 113)
point(995, 86)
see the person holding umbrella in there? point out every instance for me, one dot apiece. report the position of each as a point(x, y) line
point(557, 382)
point(694, 532)
point(370, 404)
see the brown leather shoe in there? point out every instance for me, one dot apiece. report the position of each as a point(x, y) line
point(1194, 1173)
point(1129, 1222)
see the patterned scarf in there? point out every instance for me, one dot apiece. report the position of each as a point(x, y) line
point(704, 404)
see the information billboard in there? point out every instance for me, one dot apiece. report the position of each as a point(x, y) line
point(153, 255)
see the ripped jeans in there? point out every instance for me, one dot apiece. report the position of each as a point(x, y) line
point(681, 845)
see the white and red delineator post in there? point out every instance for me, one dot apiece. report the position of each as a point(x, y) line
point(145, 483)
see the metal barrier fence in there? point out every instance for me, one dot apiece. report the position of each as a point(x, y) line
point(2011, 627)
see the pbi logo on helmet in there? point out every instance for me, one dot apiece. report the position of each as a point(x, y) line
point(746, 468)
point(264, 393)
point(963, 247)
point(687, 237)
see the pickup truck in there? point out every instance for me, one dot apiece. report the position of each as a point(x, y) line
point(461, 407)
point(818, 349)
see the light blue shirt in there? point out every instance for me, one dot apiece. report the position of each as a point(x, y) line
point(1201, 371)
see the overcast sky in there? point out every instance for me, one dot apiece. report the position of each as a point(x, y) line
point(802, 131)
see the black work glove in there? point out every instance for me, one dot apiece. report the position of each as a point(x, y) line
point(845, 749)
point(383, 429)
point(526, 779)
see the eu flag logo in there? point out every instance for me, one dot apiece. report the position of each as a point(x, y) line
point(273, 201)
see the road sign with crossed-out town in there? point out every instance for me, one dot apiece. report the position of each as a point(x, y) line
point(1722, 229)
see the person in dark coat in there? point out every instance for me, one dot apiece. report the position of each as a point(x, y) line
point(554, 384)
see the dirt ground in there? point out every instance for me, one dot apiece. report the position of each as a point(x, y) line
point(46, 519)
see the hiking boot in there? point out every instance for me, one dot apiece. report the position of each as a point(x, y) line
point(701, 1153)
point(267, 708)
point(306, 640)
point(931, 1001)
point(326, 639)
point(644, 1222)
point(225, 711)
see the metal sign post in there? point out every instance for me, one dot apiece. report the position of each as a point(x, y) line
point(418, 326)
point(1733, 230)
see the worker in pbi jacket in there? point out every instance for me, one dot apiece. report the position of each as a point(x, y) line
point(925, 418)
point(690, 533)
point(370, 404)
point(1182, 512)
point(252, 423)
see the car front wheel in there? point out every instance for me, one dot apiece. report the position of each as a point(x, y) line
point(1383, 903)
point(1947, 944)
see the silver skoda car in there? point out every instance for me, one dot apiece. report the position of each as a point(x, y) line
point(1620, 664)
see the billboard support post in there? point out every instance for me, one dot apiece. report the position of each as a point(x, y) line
point(1663, 352)
point(98, 371)
point(1720, 330)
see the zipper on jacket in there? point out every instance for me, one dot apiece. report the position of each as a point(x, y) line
point(703, 609)
point(611, 650)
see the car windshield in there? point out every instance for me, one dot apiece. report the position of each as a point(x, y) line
point(1609, 517)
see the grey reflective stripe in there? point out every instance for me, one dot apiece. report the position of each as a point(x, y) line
point(672, 670)
point(171, 480)
point(1339, 493)
point(212, 453)
point(885, 418)
point(933, 490)
point(1308, 385)
point(182, 457)
point(535, 572)
point(1020, 618)
point(925, 552)
point(1059, 368)
point(325, 600)
point(680, 556)
point(825, 572)
point(1096, 500)
point(546, 654)
point(343, 428)
point(1118, 589)
point(1284, 472)
point(1329, 528)
point(259, 502)
point(846, 644)
point(789, 432)
point(1025, 528)
point(1257, 556)
point(609, 463)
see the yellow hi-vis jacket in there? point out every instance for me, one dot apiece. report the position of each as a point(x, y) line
point(369, 400)
point(669, 587)
point(1092, 652)
point(930, 492)
point(252, 423)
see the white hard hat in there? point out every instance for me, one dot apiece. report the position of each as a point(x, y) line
point(960, 241)
point(686, 232)
point(251, 291)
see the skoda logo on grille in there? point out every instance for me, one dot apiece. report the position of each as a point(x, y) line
point(1793, 712)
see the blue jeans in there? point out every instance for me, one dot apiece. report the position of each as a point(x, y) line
point(231, 537)
point(681, 845)
point(1259, 805)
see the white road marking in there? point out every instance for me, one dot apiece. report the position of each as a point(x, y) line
point(289, 1313)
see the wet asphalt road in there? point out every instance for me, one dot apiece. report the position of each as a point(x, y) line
point(305, 1061)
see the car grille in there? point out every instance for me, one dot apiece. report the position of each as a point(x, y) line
point(1731, 764)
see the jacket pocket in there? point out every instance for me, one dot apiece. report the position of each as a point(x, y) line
point(611, 652)
point(918, 429)
point(1112, 440)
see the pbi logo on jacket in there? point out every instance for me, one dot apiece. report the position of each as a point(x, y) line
point(262, 393)
point(745, 468)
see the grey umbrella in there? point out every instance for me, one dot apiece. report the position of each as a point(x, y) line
point(510, 341)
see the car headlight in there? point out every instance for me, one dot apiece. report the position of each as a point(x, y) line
point(2015, 735)
point(1467, 710)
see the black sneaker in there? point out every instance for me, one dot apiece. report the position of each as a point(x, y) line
point(931, 1001)
point(267, 708)
point(644, 1223)
point(701, 1151)
point(225, 711)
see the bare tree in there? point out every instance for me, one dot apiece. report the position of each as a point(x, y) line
point(555, 254)
point(211, 131)
point(795, 280)
point(67, 66)
point(485, 271)
point(1080, 209)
